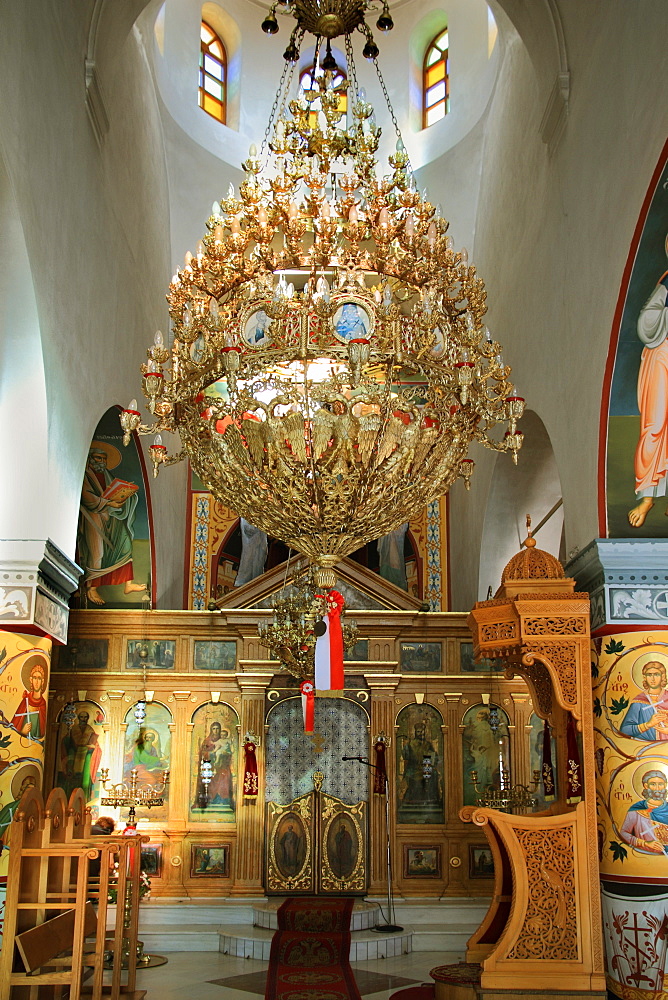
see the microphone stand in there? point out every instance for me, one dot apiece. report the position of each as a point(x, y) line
point(390, 928)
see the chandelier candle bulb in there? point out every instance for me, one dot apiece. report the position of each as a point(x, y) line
point(324, 331)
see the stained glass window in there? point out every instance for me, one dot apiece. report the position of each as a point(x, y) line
point(308, 77)
point(436, 81)
point(212, 73)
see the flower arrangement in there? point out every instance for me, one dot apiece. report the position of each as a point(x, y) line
point(112, 889)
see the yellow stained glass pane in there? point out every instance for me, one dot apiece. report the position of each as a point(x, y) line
point(216, 49)
point(435, 73)
point(213, 107)
point(343, 103)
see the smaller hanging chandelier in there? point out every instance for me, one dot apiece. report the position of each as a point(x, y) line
point(298, 621)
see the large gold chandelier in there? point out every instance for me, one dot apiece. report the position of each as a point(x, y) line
point(330, 365)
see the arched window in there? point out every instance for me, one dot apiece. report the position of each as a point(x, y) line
point(212, 73)
point(308, 80)
point(436, 81)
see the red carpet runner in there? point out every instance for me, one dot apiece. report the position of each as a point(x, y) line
point(309, 952)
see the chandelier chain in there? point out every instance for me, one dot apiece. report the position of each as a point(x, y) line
point(279, 98)
point(352, 72)
point(388, 102)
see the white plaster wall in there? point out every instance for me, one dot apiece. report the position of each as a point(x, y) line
point(95, 223)
point(256, 63)
point(23, 411)
point(552, 237)
point(532, 487)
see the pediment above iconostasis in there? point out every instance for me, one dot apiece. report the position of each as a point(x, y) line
point(362, 589)
point(233, 565)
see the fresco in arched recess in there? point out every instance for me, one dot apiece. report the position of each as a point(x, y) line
point(633, 455)
point(114, 532)
point(81, 744)
point(533, 487)
point(215, 741)
point(485, 749)
point(147, 748)
point(420, 772)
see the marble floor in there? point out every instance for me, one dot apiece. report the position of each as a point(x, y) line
point(213, 976)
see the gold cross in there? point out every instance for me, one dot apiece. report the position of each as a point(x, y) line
point(318, 742)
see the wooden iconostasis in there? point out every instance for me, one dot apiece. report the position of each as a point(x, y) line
point(209, 683)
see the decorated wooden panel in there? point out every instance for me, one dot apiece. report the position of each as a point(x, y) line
point(290, 863)
point(214, 741)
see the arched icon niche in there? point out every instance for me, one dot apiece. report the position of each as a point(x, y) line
point(420, 773)
point(485, 750)
point(214, 763)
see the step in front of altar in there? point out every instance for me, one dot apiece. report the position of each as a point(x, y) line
point(255, 942)
point(365, 915)
point(244, 927)
point(442, 925)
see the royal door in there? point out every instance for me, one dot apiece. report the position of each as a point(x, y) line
point(316, 810)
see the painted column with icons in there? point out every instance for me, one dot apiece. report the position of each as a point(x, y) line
point(630, 681)
point(24, 680)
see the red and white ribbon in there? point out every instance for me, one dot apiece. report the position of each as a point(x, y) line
point(329, 646)
point(308, 705)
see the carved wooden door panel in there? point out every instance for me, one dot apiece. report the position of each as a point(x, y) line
point(342, 846)
point(289, 855)
point(317, 792)
point(316, 844)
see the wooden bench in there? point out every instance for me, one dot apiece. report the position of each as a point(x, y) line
point(53, 939)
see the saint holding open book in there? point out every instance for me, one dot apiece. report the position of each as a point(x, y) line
point(106, 523)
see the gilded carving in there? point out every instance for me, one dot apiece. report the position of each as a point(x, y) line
point(538, 678)
point(555, 626)
point(495, 631)
point(562, 656)
point(290, 847)
point(550, 930)
point(343, 861)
